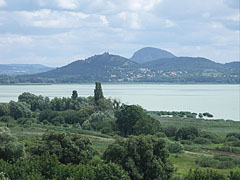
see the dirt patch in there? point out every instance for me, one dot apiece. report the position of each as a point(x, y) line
point(32, 133)
point(220, 152)
point(197, 153)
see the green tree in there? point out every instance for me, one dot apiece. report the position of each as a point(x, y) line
point(19, 109)
point(74, 94)
point(170, 131)
point(4, 110)
point(127, 118)
point(147, 125)
point(57, 104)
point(143, 157)
point(35, 102)
point(110, 171)
point(69, 148)
point(10, 149)
point(98, 93)
point(187, 133)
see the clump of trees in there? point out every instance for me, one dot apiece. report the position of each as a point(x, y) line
point(69, 148)
point(10, 149)
point(144, 157)
point(133, 120)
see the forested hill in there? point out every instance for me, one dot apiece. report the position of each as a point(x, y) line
point(102, 67)
point(114, 68)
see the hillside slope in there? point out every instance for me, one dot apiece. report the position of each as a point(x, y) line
point(148, 54)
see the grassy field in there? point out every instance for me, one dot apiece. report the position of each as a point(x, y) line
point(28, 135)
point(220, 127)
point(185, 161)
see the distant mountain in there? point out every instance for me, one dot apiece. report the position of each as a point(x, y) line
point(234, 67)
point(20, 69)
point(188, 64)
point(234, 64)
point(148, 54)
point(96, 68)
point(113, 68)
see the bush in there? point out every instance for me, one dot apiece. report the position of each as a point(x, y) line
point(160, 135)
point(236, 143)
point(7, 119)
point(231, 139)
point(144, 157)
point(4, 110)
point(175, 147)
point(211, 136)
point(219, 162)
point(237, 135)
point(208, 162)
point(201, 140)
point(234, 175)
point(170, 131)
point(203, 175)
point(187, 133)
point(226, 165)
point(69, 148)
point(10, 149)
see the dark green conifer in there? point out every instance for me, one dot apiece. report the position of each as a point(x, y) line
point(74, 94)
point(98, 94)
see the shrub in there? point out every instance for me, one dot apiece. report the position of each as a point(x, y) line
point(208, 162)
point(144, 157)
point(236, 143)
point(201, 140)
point(237, 135)
point(187, 133)
point(234, 175)
point(10, 149)
point(211, 136)
point(175, 147)
point(170, 131)
point(161, 135)
point(69, 148)
point(231, 138)
point(203, 175)
point(7, 119)
point(4, 110)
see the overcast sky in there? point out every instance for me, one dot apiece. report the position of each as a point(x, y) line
point(57, 32)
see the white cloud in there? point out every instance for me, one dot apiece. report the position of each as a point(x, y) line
point(10, 39)
point(68, 4)
point(2, 3)
point(169, 23)
point(46, 18)
point(104, 20)
point(235, 17)
point(129, 20)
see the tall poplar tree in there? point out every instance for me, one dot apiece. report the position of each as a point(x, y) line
point(98, 94)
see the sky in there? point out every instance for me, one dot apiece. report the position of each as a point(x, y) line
point(57, 32)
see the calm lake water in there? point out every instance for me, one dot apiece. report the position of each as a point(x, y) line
point(223, 101)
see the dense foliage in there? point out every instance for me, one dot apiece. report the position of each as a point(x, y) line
point(133, 120)
point(10, 148)
point(144, 157)
point(69, 148)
